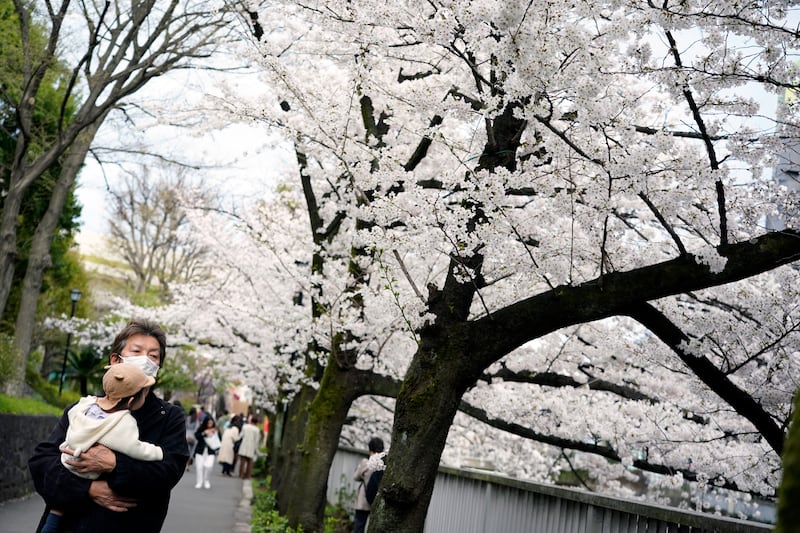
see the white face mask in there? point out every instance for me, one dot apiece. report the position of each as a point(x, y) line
point(143, 363)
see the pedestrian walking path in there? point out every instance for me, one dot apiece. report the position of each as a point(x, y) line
point(222, 509)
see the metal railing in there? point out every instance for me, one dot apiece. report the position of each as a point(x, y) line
point(467, 501)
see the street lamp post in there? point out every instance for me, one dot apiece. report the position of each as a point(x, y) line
point(74, 295)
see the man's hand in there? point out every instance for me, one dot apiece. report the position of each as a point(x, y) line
point(103, 496)
point(97, 459)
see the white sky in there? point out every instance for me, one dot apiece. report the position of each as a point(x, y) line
point(252, 171)
point(248, 159)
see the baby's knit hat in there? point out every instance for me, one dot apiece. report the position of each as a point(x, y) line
point(120, 381)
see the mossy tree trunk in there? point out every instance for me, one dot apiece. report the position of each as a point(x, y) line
point(284, 456)
point(424, 413)
point(305, 500)
point(311, 438)
point(789, 491)
point(438, 376)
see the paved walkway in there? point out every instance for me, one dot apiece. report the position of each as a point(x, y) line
point(224, 508)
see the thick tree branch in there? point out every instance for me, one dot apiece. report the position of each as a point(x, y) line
point(367, 382)
point(741, 401)
point(509, 328)
point(553, 379)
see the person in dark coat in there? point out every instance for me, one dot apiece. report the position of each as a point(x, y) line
point(204, 455)
point(130, 496)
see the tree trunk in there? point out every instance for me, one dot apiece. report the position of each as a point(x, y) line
point(440, 372)
point(8, 243)
point(290, 432)
point(305, 499)
point(426, 405)
point(39, 257)
point(313, 419)
point(21, 179)
point(789, 490)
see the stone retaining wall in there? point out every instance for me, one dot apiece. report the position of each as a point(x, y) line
point(20, 434)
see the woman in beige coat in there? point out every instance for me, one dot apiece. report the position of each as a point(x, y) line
point(226, 452)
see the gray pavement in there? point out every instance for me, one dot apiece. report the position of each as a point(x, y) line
point(222, 509)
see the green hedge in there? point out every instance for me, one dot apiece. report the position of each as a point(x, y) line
point(49, 391)
point(265, 517)
point(10, 405)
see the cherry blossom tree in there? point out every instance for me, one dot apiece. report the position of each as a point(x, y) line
point(253, 312)
point(398, 274)
point(261, 323)
point(285, 314)
point(523, 171)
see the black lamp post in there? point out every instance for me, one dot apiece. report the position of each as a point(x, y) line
point(74, 295)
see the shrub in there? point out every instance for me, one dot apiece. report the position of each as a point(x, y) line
point(337, 520)
point(266, 518)
point(26, 406)
point(49, 391)
point(260, 467)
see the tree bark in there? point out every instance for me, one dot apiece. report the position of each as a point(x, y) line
point(8, 242)
point(305, 503)
point(789, 490)
point(439, 374)
point(8, 237)
point(313, 438)
point(426, 405)
point(285, 462)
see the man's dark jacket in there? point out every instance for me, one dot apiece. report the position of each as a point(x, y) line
point(149, 482)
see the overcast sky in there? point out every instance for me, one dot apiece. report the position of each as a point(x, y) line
point(247, 158)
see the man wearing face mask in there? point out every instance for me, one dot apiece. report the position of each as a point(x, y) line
point(129, 495)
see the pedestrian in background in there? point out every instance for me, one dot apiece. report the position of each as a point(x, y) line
point(205, 451)
point(362, 475)
point(192, 422)
point(223, 420)
point(248, 449)
point(266, 431)
point(230, 437)
point(238, 443)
